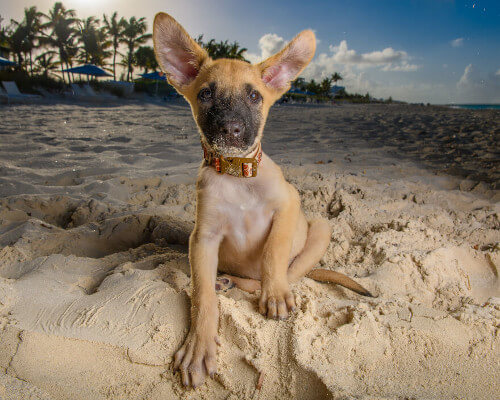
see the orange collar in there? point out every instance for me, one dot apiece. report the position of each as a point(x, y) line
point(241, 167)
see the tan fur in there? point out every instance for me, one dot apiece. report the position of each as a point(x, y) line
point(252, 229)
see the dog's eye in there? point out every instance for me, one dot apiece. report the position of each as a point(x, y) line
point(205, 94)
point(254, 96)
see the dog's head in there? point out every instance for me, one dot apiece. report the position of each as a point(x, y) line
point(230, 99)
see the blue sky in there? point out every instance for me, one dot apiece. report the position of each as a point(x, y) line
point(437, 51)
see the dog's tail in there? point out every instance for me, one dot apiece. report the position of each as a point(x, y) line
point(325, 275)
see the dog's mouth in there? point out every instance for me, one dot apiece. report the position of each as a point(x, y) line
point(230, 146)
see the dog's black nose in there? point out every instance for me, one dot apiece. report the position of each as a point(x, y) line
point(233, 128)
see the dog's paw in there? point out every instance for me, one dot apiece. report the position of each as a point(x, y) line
point(197, 358)
point(276, 302)
point(224, 283)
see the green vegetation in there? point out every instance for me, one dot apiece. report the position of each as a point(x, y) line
point(321, 89)
point(59, 32)
point(307, 91)
point(222, 49)
point(114, 30)
point(145, 58)
point(44, 45)
point(133, 34)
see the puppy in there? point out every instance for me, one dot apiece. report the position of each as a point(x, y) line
point(249, 223)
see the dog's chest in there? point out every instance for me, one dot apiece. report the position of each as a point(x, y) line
point(247, 217)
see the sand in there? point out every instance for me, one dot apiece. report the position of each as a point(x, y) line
point(96, 205)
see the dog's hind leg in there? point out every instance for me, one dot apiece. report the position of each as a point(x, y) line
point(318, 238)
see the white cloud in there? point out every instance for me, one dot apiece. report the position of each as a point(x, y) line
point(269, 44)
point(474, 87)
point(341, 57)
point(404, 66)
point(458, 42)
point(386, 57)
point(498, 72)
point(468, 77)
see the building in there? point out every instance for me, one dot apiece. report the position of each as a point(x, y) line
point(336, 89)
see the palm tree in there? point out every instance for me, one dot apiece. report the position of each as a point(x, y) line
point(325, 86)
point(15, 37)
point(235, 51)
point(61, 23)
point(94, 42)
point(336, 77)
point(145, 58)
point(32, 25)
point(3, 33)
point(114, 28)
point(313, 86)
point(45, 63)
point(87, 38)
point(299, 83)
point(134, 33)
point(222, 49)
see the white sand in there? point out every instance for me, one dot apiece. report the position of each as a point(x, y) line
point(95, 210)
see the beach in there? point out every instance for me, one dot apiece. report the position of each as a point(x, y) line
point(97, 202)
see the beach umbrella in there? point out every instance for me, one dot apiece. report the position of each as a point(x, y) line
point(89, 70)
point(154, 76)
point(5, 62)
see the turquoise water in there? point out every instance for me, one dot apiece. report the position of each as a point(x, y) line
point(477, 106)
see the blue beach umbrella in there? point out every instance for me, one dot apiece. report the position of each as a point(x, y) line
point(88, 69)
point(154, 76)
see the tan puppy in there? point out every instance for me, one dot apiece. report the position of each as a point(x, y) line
point(248, 218)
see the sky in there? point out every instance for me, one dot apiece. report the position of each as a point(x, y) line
point(437, 51)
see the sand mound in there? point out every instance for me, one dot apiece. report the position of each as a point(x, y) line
point(100, 292)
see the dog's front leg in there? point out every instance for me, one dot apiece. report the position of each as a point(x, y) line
point(276, 299)
point(197, 356)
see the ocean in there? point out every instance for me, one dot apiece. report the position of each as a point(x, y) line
point(476, 106)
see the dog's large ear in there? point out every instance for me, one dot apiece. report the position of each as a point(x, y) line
point(283, 67)
point(179, 56)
